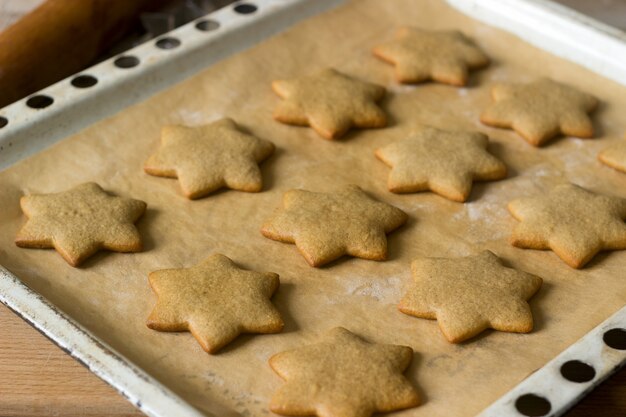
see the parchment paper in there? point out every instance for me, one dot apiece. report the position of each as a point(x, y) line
point(110, 295)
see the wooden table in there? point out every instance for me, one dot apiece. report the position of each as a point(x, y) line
point(39, 379)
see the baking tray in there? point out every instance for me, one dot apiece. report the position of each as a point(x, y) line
point(211, 39)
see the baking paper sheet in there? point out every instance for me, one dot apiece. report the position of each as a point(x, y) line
point(110, 295)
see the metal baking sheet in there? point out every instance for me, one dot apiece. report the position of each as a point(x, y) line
point(29, 131)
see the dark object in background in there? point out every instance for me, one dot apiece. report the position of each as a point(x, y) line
point(60, 38)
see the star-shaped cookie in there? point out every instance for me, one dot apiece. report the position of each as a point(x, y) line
point(421, 55)
point(343, 376)
point(468, 295)
point(326, 226)
point(573, 222)
point(80, 221)
point(446, 162)
point(210, 157)
point(330, 102)
point(214, 300)
point(541, 110)
point(615, 156)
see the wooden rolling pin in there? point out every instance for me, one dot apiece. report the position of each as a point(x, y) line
point(60, 38)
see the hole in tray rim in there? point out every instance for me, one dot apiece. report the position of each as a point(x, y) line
point(207, 25)
point(615, 338)
point(245, 8)
point(577, 371)
point(126, 61)
point(84, 81)
point(532, 405)
point(39, 101)
point(168, 42)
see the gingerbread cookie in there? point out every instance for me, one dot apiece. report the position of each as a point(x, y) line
point(571, 221)
point(330, 102)
point(343, 376)
point(210, 157)
point(214, 300)
point(326, 226)
point(442, 161)
point(80, 221)
point(615, 156)
point(421, 55)
point(541, 110)
point(468, 295)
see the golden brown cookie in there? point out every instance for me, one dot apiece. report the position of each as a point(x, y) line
point(210, 157)
point(214, 300)
point(615, 156)
point(80, 221)
point(443, 161)
point(571, 221)
point(541, 110)
point(326, 226)
point(470, 294)
point(444, 56)
point(330, 102)
point(343, 376)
